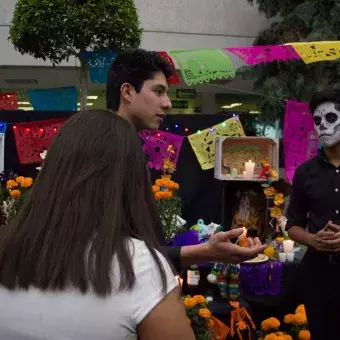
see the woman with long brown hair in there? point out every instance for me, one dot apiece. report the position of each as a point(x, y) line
point(81, 259)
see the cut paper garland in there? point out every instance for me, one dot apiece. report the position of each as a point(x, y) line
point(160, 145)
point(199, 66)
point(58, 99)
point(98, 63)
point(33, 138)
point(8, 101)
point(317, 51)
point(299, 137)
point(253, 55)
point(203, 142)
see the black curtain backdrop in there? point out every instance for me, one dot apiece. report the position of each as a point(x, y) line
point(200, 192)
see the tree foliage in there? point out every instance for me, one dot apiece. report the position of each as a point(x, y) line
point(58, 29)
point(294, 21)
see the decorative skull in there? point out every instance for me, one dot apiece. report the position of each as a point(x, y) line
point(327, 123)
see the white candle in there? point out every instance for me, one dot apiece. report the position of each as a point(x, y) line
point(244, 175)
point(283, 257)
point(250, 167)
point(290, 257)
point(288, 246)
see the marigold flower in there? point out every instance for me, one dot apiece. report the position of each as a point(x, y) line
point(300, 309)
point(200, 299)
point(204, 313)
point(189, 302)
point(15, 194)
point(304, 335)
point(285, 337)
point(11, 184)
point(288, 319)
point(155, 188)
point(165, 194)
point(19, 179)
point(271, 323)
point(270, 336)
point(269, 192)
point(278, 199)
point(27, 182)
point(273, 174)
point(300, 319)
point(275, 212)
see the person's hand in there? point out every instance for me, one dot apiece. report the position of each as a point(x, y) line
point(221, 249)
point(326, 240)
point(332, 241)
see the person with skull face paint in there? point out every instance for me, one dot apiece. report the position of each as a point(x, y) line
point(314, 220)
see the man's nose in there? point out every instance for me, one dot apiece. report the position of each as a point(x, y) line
point(322, 126)
point(166, 104)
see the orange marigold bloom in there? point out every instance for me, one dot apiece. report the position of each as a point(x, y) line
point(11, 184)
point(155, 188)
point(204, 313)
point(19, 179)
point(166, 194)
point(27, 182)
point(304, 335)
point(300, 309)
point(189, 302)
point(271, 323)
point(15, 194)
point(289, 319)
point(300, 319)
point(200, 299)
point(271, 336)
point(275, 212)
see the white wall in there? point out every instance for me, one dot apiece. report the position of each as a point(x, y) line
point(175, 24)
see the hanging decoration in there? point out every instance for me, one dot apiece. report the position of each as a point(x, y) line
point(203, 142)
point(8, 101)
point(174, 79)
point(159, 146)
point(299, 138)
point(317, 51)
point(2, 151)
point(253, 55)
point(98, 63)
point(202, 66)
point(33, 138)
point(58, 99)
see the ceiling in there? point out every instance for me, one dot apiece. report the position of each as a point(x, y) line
point(20, 79)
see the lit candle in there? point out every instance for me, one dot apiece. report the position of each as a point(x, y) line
point(288, 246)
point(250, 167)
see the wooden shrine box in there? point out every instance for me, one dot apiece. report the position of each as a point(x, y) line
point(231, 153)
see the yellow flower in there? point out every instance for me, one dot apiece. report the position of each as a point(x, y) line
point(189, 302)
point(289, 319)
point(169, 166)
point(19, 179)
point(273, 174)
point(300, 310)
point(15, 194)
point(27, 182)
point(155, 188)
point(265, 162)
point(279, 239)
point(11, 184)
point(275, 212)
point(269, 192)
point(200, 299)
point(204, 313)
point(279, 199)
point(300, 319)
point(269, 251)
point(304, 335)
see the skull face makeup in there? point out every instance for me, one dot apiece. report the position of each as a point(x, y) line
point(327, 123)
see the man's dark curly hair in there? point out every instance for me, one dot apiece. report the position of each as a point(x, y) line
point(133, 67)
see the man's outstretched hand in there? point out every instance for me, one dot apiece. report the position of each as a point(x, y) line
point(219, 247)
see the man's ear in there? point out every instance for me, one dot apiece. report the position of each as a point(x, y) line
point(127, 91)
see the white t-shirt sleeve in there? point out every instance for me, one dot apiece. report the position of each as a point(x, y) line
point(148, 291)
